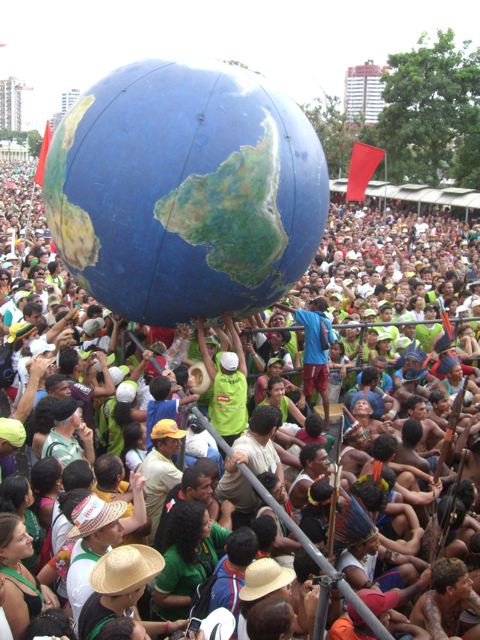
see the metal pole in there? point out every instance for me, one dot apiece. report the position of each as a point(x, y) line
point(386, 179)
point(343, 586)
point(326, 583)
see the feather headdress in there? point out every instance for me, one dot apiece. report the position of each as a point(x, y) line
point(353, 524)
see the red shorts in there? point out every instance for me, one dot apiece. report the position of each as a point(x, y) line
point(315, 376)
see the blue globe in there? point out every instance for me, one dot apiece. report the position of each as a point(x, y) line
point(176, 191)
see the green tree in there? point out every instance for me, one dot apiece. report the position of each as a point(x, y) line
point(336, 133)
point(34, 142)
point(432, 93)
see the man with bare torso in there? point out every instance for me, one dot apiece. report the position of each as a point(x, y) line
point(433, 435)
point(438, 610)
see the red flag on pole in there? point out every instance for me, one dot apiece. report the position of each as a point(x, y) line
point(47, 138)
point(365, 159)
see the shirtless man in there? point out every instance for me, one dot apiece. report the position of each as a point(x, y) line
point(314, 461)
point(438, 610)
point(362, 412)
point(433, 435)
point(354, 456)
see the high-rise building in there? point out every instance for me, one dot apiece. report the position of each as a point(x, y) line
point(363, 92)
point(68, 99)
point(11, 104)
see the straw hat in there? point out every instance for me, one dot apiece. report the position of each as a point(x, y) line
point(202, 380)
point(218, 625)
point(263, 577)
point(126, 569)
point(93, 513)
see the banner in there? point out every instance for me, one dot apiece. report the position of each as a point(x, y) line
point(47, 138)
point(365, 159)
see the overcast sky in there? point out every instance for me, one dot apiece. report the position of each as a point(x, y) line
point(302, 46)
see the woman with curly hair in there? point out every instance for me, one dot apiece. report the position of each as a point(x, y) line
point(192, 540)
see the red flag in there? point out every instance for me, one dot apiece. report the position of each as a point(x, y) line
point(47, 138)
point(365, 159)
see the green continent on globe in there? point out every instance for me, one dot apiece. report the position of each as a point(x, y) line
point(233, 211)
point(71, 226)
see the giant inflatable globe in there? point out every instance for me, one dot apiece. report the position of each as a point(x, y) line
point(174, 191)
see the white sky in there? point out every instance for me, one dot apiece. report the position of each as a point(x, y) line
point(302, 46)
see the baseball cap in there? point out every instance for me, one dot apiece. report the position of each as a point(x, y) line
point(12, 431)
point(167, 428)
point(39, 346)
point(384, 336)
point(229, 361)
point(369, 313)
point(117, 374)
point(274, 361)
point(64, 408)
point(20, 330)
point(376, 601)
point(91, 326)
point(21, 294)
point(126, 391)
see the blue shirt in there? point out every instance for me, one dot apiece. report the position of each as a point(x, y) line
point(159, 410)
point(225, 590)
point(313, 354)
point(386, 382)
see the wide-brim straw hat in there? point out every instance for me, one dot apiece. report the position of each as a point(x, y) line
point(264, 576)
point(202, 380)
point(126, 569)
point(93, 514)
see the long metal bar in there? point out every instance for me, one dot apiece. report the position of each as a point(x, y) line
point(342, 585)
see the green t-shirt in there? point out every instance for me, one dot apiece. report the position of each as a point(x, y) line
point(182, 578)
point(426, 335)
point(228, 407)
point(283, 407)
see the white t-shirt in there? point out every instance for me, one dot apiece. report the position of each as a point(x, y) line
point(5, 631)
point(134, 457)
point(60, 528)
point(79, 588)
point(101, 343)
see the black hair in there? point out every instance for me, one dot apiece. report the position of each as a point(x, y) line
point(270, 618)
point(369, 375)
point(42, 420)
point(273, 381)
point(304, 565)
point(107, 468)
point(207, 466)
point(466, 493)
point(120, 628)
point(52, 267)
point(181, 375)
point(314, 425)
point(32, 307)
point(45, 474)
point(412, 402)
point(266, 530)
point(184, 529)
point(67, 361)
point(384, 447)
point(77, 475)
point(13, 490)
point(160, 387)
point(132, 432)
point(191, 478)
point(446, 506)
point(412, 432)
point(122, 413)
point(436, 395)
point(474, 543)
point(389, 475)
point(51, 623)
point(93, 310)
point(371, 494)
point(68, 500)
point(242, 546)
point(265, 418)
point(309, 453)
point(269, 480)
point(285, 335)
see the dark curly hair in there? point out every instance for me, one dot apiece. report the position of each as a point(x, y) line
point(53, 622)
point(122, 413)
point(184, 529)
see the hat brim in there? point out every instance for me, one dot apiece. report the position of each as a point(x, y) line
point(109, 585)
point(218, 625)
point(202, 380)
point(175, 435)
point(285, 577)
point(111, 512)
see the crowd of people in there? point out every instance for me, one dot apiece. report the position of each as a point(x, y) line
point(121, 517)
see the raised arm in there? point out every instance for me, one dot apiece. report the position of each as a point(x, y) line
point(236, 343)
point(202, 345)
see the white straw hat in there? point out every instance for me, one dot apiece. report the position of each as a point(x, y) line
point(93, 513)
point(126, 569)
point(202, 380)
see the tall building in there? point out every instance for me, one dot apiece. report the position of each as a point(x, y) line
point(363, 92)
point(11, 104)
point(68, 99)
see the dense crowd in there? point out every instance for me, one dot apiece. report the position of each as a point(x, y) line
point(354, 400)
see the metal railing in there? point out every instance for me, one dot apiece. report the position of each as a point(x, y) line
point(331, 576)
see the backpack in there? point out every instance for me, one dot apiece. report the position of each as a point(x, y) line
point(323, 334)
point(203, 596)
point(7, 374)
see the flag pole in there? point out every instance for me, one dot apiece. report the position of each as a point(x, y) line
point(386, 180)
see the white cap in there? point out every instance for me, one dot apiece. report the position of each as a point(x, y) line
point(126, 391)
point(229, 361)
point(39, 346)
